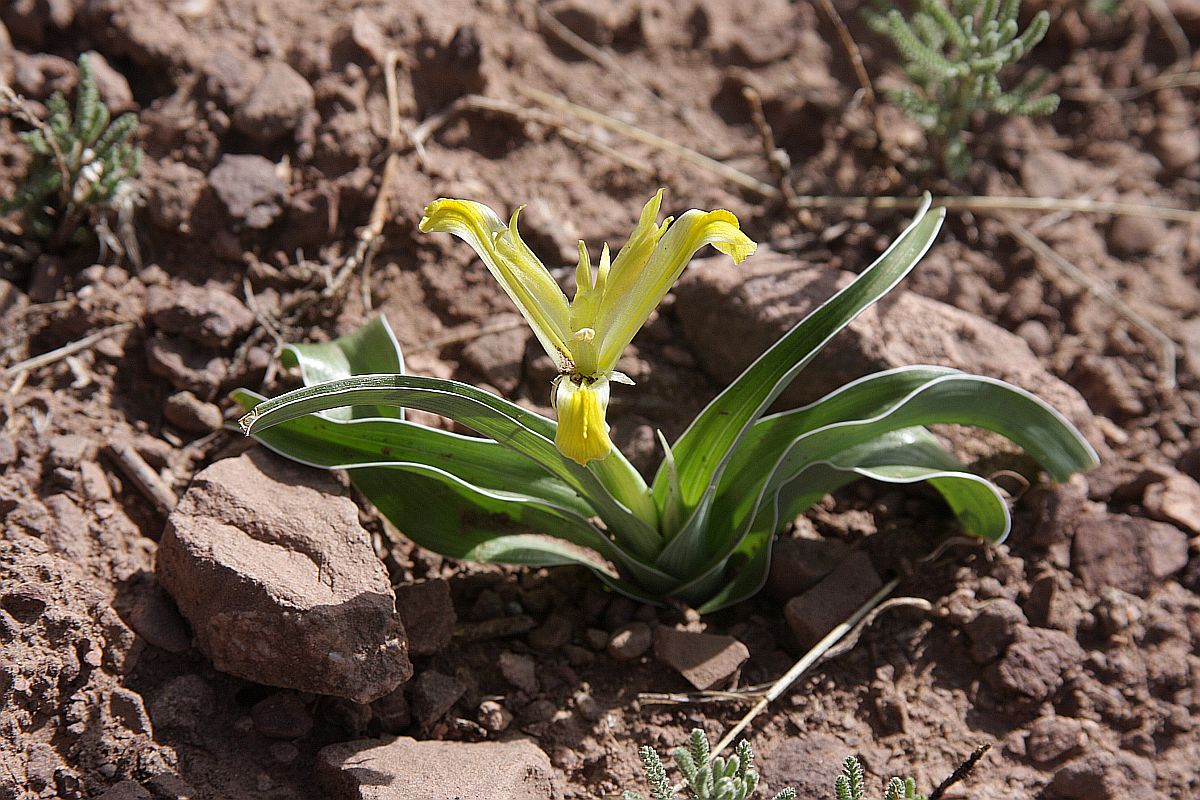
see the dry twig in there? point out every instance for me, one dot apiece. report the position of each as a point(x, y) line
point(596, 54)
point(952, 203)
point(806, 662)
point(852, 51)
point(144, 477)
point(1173, 30)
point(961, 772)
point(66, 350)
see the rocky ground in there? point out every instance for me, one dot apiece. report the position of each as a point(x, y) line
point(134, 522)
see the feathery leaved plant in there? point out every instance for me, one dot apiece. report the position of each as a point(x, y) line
point(850, 786)
point(534, 491)
point(79, 161)
point(707, 778)
point(954, 55)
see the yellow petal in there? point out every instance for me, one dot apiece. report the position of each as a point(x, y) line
point(629, 300)
point(524, 278)
point(582, 431)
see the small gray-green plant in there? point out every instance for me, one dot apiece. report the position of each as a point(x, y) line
point(707, 779)
point(79, 161)
point(954, 55)
point(849, 785)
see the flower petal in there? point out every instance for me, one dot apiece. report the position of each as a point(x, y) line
point(630, 297)
point(582, 434)
point(524, 278)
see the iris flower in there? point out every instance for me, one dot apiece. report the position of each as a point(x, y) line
point(586, 336)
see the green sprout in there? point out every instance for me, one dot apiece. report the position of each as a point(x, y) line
point(707, 778)
point(849, 785)
point(80, 162)
point(954, 56)
point(701, 531)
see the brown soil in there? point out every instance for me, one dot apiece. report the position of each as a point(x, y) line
point(86, 704)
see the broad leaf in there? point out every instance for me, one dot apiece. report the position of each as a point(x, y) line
point(901, 457)
point(756, 456)
point(704, 448)
point(478, 410)
point(449, 516)
point(321, 442)
point(369, 350)
point(952, 399)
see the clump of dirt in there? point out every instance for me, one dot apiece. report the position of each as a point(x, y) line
point(1074, 648)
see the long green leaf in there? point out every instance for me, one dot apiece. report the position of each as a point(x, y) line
point(369, 350)
point(704, 449)
point(326, 443)
point(901, 457)
point(444, 514)
point(952, 399)
point(491, 416)
point(757, 455)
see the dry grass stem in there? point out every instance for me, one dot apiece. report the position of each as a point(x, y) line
point(66, 350)
point(806, 662)
point(852, 51)
point(1173, 30)
point(143, 477)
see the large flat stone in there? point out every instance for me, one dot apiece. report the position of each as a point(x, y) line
point(267, 561)
point(407, 769)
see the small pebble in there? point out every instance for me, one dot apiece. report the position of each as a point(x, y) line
point(630, 642)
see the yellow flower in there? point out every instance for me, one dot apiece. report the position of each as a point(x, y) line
point(587, 335)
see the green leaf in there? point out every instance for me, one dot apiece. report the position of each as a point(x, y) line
point(507, 423)
point(706, 447)
point(319, 441)
point(956, 398)
point(477, 494)
point(369, 350)
point(756, 456)
point(449, 516)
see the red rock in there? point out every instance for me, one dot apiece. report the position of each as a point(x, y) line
point(126, 790)
point(630, 641)
point(207, 314)
point(1051, 738)
point(283, 715)
point(828, 604)
point(498, 357)
point(1135, 236)
point(994, 627)
point(1125, 552)
point(1034, 664)
point(393, 712)
point(552, 634)
point(434, 694)
point(185, 365)
point(704, 659)
point(1175, 500)
point(276, 104)
point(1101, 775)
point(406, 769)
point(189, 413)
point(798, 563)
point(519, 670)
point(428, 614)
point(250, 189)
point(269, 563)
